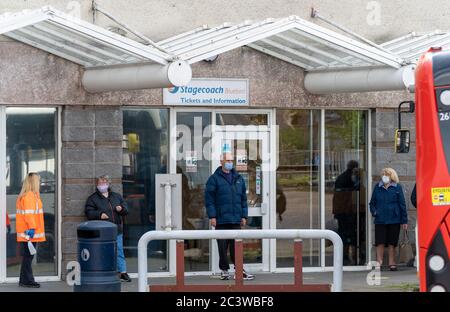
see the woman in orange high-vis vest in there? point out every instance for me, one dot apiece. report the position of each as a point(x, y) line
point(29, 225)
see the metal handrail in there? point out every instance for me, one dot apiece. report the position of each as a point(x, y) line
point(241, 234)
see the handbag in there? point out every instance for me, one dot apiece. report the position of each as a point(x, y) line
point(405, 253)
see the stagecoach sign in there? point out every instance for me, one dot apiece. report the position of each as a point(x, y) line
point(209, 92)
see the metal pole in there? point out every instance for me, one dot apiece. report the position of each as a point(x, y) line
point(358, 190)
point(167, 206)
point(241, 234)
point(96, 7)
point(315, 14)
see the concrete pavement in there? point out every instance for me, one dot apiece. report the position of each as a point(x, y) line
point(403, 280)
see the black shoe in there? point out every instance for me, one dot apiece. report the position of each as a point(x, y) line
point(30, 285)
point(124, 277)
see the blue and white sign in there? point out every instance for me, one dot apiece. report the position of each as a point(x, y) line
point(209, 92)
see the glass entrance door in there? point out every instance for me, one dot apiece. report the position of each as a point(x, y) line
point(29, 144)
point(250, 149)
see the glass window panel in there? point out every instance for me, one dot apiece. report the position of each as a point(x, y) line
point(193, 142)
point(241, 119)
point(298, 182)
point(31, 147)
point(145, 154)
point(346, 181)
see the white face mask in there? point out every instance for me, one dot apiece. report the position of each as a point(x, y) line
point(385, 179)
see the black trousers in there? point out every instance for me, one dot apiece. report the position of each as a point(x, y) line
point(26, 272)
point(225, 244)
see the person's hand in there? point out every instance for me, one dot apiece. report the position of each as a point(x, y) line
point(30, 233)
point(118, 208)
point(243, 222)
point(151, 218)
point(213, 222)
point(405, 226)
point(104, 216)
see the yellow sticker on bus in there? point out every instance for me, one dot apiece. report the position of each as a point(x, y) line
point(440, 196)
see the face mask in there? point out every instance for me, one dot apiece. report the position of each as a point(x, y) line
point(228, 165)
point(103, 188)
point(385, 179)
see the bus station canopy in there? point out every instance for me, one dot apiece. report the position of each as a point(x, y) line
point(312, 47)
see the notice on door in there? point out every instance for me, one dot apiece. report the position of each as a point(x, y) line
point(440, 196)
point(241, 160)
point(191, 161)
point(258, 180)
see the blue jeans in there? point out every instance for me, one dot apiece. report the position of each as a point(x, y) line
point(121, 263)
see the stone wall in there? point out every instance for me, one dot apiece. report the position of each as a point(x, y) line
point(91, 146)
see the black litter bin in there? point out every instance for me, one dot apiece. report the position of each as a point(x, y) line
point(97, 255)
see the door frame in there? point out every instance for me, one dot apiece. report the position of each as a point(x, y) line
point(250, 133)
point(272, 187)
point(3, 248)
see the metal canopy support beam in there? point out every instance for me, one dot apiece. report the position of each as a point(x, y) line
point(188, 40)
point(232, 42)
point(346, 51)
point(360, 80)
point(312, 49)
point(92, 59)
point(392, 44)
point(19, 20)
point(51, 20)
point(96, 7)
point(280, 56)
point(136, 77)
point(423, 45)
point(85, 45)
point(407, 41)
point(110, 37)
point(350, 44)
point(223, 36)
point(295, 52)
point(189, 34)
point(49, 50)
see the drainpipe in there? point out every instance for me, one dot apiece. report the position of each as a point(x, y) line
point(361, 80)
point(136, 77)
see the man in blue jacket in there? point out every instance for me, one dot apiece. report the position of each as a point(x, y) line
point(226, 205)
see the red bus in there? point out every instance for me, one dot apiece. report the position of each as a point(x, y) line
point(433, 169)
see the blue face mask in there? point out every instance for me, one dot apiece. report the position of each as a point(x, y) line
point(103, 188)
point(228, 165)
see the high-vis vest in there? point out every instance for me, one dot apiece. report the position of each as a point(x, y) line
point(30, 215)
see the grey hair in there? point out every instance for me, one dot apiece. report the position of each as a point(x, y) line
point(104, 177)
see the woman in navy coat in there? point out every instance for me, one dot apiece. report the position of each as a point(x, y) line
point(388, 209)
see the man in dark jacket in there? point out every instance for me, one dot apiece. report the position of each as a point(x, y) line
point(109, 206)
point(226, 205)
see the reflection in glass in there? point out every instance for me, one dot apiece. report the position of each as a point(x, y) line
point(346, 177)
point(145, 154)
point(253, 247)
point(194, 165)
point(30, 147)
point(297, 187)
point(241, 119)
point(248, 161)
